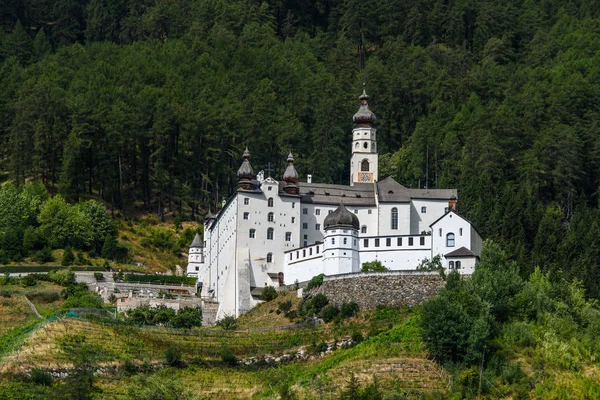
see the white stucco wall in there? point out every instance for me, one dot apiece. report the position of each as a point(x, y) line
point(385, 219)
point(419, 221)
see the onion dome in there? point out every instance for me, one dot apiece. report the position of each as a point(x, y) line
point(364, 116)
point(342, 218)
point(246, 172)
point(290, 174)
point(197, 242)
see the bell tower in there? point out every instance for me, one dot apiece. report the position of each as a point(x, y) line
point(363, 165)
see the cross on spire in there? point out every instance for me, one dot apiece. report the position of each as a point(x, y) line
point(268, 168)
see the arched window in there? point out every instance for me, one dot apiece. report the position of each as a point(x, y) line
point(451, 265)
point(450, 240)
point(363, 229)
point(270, 217)
point(270, 234)
point(270, 202)
point(364, 165)
point(394, 218)
point(269, 257)
point(366, 145)
point(356, 145)
point(458, 265)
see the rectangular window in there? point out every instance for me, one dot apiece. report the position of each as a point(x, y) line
point(388, 242)
point(297, 255)
point(304, 253)
point(291, 256)
point(252, 233)
point(376, 242)
point(399, 240)
point(318, 250)
point(318, 227)
point(305, 237)
point(332, 240)
point(293, 219)
point(305, 211)
point(305, 225)
point(410, 241)
point(310, 251)
point(370, 212)
point(355, 211)
point(366, 243)
point(288, 236)
point(422, 241)
point(293, 204)
point(345, 241)
point(270, 187)
point(318, 211)
point(305, 243)
point(460, 231)
point(246, 215)
point(246, 201)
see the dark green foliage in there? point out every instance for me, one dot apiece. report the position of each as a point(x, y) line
point(41, 377)
point(435, 264)
point(229, 323)
point(68, 257)
point(44, 255)
point(285, 306)
point(159, 278)
point(329, 312)
point(187, 317)
point(349, 309)
point(99, 276)
point(28, 280)
point(173, 356)
point(62, 277)
point(316, 281)
point(269, 293)
point(228, 357)
point(373, 266)
point(43, 296)
point(314, 305)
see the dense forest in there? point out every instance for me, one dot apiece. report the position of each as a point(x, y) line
point(148, 104)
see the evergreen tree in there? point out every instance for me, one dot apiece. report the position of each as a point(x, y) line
point(68, 257)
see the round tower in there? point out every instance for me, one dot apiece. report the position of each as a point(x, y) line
point(196, 262)
point(363, 165)
point(340, 245)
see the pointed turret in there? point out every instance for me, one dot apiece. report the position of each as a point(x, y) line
point(245, 173)
point(364, 116)
point(197, 242)
point(290, 176)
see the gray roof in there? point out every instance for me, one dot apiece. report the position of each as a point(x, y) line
point(390, 191)
point(361, 194)
point(290, 174)
point(462, 252)
point(197, 242)
point(364, 115)
point(341, 217)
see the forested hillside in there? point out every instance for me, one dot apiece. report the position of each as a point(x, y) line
point(149, 103)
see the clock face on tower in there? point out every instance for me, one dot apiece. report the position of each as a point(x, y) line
point(366, 177)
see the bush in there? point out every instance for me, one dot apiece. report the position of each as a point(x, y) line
point(44, 296)
point(7, 294)
point(285, 306)
point(99, 276)
point(373, 266)
point(68, 257)
point(329, 312)
point(316, 281)
point(159, 278)
point(44, 255)
point(228, 357)
point(28, 280)
point(349, 309)
point(41, 377)
point(269, 293)
point(357, 338)
point(315, 305)
point(173, 356)
point(187, 317)
point(229, 323)
point(62, 277)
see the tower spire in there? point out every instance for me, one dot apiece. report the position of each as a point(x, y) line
point(290, 176)
point(245, 173)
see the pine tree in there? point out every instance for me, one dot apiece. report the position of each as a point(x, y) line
point(18, 44)
point(41, 45)
point(68, 257)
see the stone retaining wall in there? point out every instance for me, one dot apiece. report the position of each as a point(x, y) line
point(369, 290)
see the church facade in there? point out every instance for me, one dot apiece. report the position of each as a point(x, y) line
point(275, 232)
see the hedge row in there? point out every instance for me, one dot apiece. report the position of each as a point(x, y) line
point(159, 278)
point(43, 268)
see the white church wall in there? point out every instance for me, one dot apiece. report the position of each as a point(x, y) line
point(467, 265)
point(384, 216)
point(452, 223)
point(302, 264)
point(433, 209)
point(396, 252)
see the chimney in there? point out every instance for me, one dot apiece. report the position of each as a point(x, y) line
point(309, 178)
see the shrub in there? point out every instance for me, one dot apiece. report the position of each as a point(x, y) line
point(28, 280)
point(357, 337)
point(329, 312)
point(41, 377)
point(62, 277)
point(44, 296)
point(269, 293)
point(228, 357)
point(315, 305)
point(229, 323)
point(349, 309)
point(44, 255)
point(373, 266)
point(316, 281)
point(187, 317)
point(285, 306)
point(99, 276)
point(173, 356)
point(68, 257)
